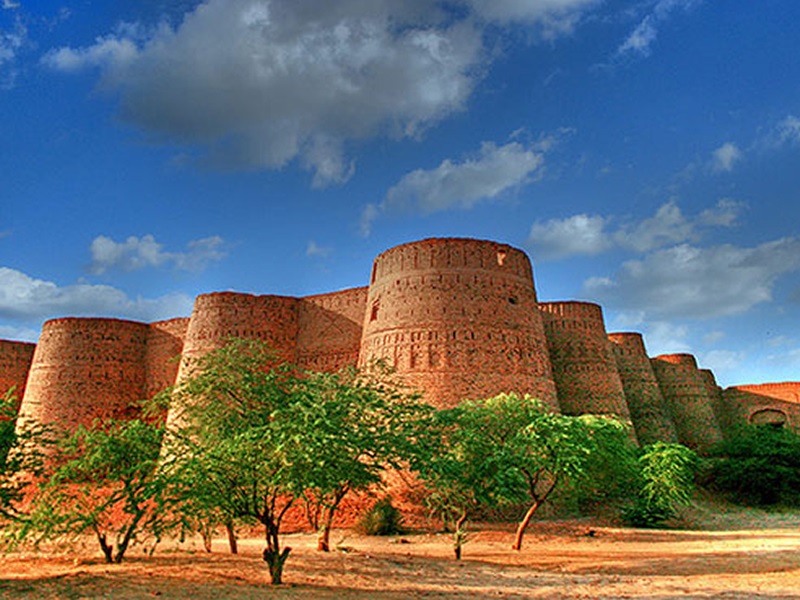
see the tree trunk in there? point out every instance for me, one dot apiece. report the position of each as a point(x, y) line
point(324, 539)
point(108, 551)
point(459, 535)
point(233, 544)
point(523, 525)
point(275, 560)
point(205, 533)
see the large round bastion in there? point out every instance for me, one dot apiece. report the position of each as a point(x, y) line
point(457, 319)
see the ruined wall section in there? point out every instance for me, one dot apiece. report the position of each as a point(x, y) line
point(457, 318)
point(15, 362)
point(584, 368)
point(761, 404)
point(86, 369)
point(221, 316)
point(687, 396)
point(329, 329)
point(162, 359)
point(651, 419)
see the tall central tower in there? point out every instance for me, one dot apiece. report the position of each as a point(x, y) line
point(457, 319)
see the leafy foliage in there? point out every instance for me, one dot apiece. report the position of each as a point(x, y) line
point(105, 481)
point(511, 450)
point(251, 440)
point(382, 518)
point(759, 465)
point(666, 480)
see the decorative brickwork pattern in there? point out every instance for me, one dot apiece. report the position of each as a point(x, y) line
point(457, 319)
point(329, 329)
point(651, 419)
point(86, 369)
point(584, 368)
point(15, 362)
point(686, 394)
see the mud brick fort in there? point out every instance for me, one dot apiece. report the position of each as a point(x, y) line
point(457, 318)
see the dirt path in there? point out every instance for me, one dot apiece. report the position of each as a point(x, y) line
point(558, 561)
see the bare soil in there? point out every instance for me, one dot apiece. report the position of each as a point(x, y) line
point(744, 554)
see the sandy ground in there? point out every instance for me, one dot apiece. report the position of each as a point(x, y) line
point(734, 558)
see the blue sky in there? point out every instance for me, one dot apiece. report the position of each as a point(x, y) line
point(645, 154)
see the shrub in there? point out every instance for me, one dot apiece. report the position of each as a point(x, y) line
point(382, 519)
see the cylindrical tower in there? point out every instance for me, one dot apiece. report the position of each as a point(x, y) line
point(86, 369)
point(649, 413)
point(164, 347)
point(583, 366)
point(457, 319)
point(15, 362)
point(686, 393)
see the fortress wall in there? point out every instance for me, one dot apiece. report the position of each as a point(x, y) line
point(651, 419)
point(164, 347)
point(769, 403)
point(329, 329)
point(86, 369)
point(15, 362)
point(220, 316)
point(584, 368)
point(457, 318)
point(715, 395)
point(688, 399)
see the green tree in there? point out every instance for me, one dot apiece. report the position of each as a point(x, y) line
point(760, 465)
point(665, 482)
point(104, 481)
point(22, 452)
point(252, 439)
point(511, 450)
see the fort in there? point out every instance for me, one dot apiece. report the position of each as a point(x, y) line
point(456, 318)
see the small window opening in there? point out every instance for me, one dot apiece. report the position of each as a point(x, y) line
point(512, 300)
point(501, 257)
point(374, 313)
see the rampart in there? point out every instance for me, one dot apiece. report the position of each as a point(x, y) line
point(686, 394)
point(457, 319)
point(584, 369)
point(15, 362)
point(651, 419)
point(770, 403)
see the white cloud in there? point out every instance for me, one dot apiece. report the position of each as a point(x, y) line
point(640, 40)
point(686, 281)
point(664, 337)
point(785, 133)
point(495, 170)
point(724, 158)
point(11, 42)
point(590, 235)
point(22, 334)
point(10, 4)
point(262, 83)
point(138, 253)
point(315, 250)
point(724, 361)
point(25, 298)
point(576, 235)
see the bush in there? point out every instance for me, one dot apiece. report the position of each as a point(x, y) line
point(381, 519)
point(760, 465)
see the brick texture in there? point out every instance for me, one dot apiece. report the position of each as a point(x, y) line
point(15, 362)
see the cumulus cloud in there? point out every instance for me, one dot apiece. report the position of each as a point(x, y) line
point(590, 235)
point(724, 158)
point(784, 133)
point(494, 170)
point(138, 253)
point(262, 83)
point(692, 282)
point(10, 4)
point(640, 40)
point(24, 298)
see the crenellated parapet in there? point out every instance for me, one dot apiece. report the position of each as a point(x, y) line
point(584, 368)
point(651, 418)
point(457, 319)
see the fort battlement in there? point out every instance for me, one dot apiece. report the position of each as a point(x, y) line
point(457, 318)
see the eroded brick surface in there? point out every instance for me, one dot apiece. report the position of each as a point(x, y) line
point(15, 362)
